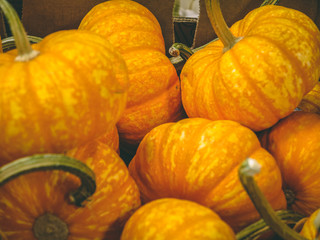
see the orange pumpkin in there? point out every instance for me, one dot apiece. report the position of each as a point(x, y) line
point(154, 92)
point(35, 203)
point(257, 72)
point(295, 144)
point(311, 101)
point(168, 217)
point(197, 159)
point(53, 97)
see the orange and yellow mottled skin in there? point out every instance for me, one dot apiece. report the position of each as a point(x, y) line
point(154, 93)
point(72, 92)
point(311, 101)
point(170, 218)
point(295, 144)
point(308, 230)
point(263, 77)
point(29, 196)
point(198, 159)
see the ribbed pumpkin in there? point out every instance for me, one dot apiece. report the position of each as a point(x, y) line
point(170, 218)
point(62, 92)
point(197, 159)
point(154, 92)
point(311, 101)
point(35, 203)
point(257, 72)
point(295, 144)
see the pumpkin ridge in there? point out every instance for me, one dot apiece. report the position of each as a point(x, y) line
point(292, 59)
point(79, 72)
point(263, 100)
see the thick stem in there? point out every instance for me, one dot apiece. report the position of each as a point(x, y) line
point(25, 52)
point(256, 229)
point(247, 170)
point(219, 24)
point(178, 59)
point(53, 162)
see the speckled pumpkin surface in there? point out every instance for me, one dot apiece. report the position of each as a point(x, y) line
point(198, 159)
point(170, 218)
point(72, 92)
point(30, 196)
point(263, 77)
point(154, 92)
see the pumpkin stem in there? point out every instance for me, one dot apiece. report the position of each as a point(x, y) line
point(43, 162)
point(219, 24)
point(25, 52)
point(9, 42)
point(259, 227)
point(269, 2)
point(247, 170)
point(180, 49)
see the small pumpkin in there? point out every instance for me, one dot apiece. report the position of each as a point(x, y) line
point(295, 144)
point(154, 93)
point(259, 69)
point(34, 203)
point(311, 101)
point(169, 218)
point(196, 159)
point(53, 98)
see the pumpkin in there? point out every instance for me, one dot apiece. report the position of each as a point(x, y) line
point(196, 159)
point(53, 97)
point(257, 72)
point(34, 202)
point(295, 144)
point(168, 217)
point(311, 101)
point(111, 138)
point(310, 229)
point(235, 10)
point(154, 92)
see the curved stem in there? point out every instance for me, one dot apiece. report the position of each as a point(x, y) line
point(9, 42)
point(317, 226)
point(25, 52)
point(53, 162)
point(247, 170)
point(219, 24)
point(180, 49)
point(259, 227)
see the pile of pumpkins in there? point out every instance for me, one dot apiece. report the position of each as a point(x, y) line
point(71, 104)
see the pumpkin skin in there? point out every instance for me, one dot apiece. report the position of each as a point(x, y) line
point(154, 93)
point(59, 99)
point(311, 101)
point(111, 138)
point(294, 142)
point(29, 196)
point(308, 230)
point(244, 83)
point(197, 159)
point(168, 217)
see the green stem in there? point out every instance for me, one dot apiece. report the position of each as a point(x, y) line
point(258, 228)
point(247, 170)
point(269, 2)
point(317, 226)
point(180, 49)
point(9, 42)
point(178, 59)
point(25, 52)
point(219, 24)
point(53, 162)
